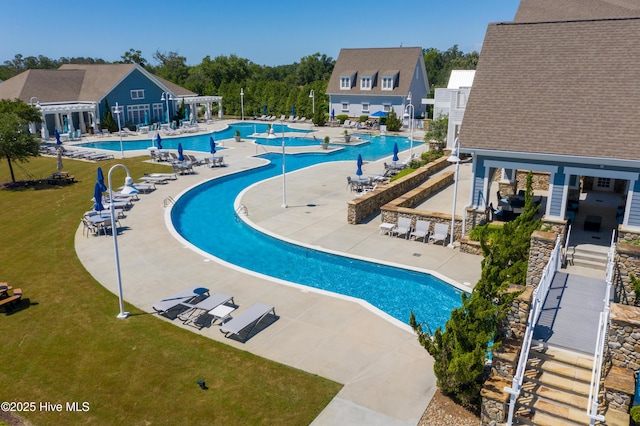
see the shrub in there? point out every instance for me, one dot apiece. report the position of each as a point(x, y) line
point(363, 118)
point(393, 122)
point(402, 173)
point(490, 232)
point(342, 117)
point(635, 413)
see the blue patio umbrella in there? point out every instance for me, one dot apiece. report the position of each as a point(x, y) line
point(264, 110)
point(180, 156)
point(97, 196)
point(159, 141)
point(57, 135)
point(395, 152)
point(212, 144)
point(359, 163)
point(333, 114)
point(379, 114)
point(293, 111)
point(100, 180)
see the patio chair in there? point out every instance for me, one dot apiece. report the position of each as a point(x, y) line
point(194, 312)
point(185, 296)
point(402, 228)
point(248, 319)
point(421, 231)
point(440, 233)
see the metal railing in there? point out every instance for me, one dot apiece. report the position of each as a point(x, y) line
point(169, 201)
point(539, 296)
point(603, 328)
point(242, 209)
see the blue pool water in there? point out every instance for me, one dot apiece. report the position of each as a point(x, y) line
point(200, 214)
point(192, 142)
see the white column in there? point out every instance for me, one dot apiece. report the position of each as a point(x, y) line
point(58, 122)
point(208, 113)
point(220, 110)
point(81, 124)
point(70, 119)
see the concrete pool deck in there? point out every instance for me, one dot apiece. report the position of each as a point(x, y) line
point(388, 377)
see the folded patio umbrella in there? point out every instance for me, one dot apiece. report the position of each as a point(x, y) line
point(56, 133)
point(212, 143)
point(359, 163)
point(395, 152)
point(59, 160)
point(97, 196)
point(180, 156)
point(100, 180)
point(159, 141)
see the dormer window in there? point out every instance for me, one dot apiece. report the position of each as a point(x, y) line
point(345, 83)
point(368, 79)
point(387, 83)
point(389, 79)
point(365, 83)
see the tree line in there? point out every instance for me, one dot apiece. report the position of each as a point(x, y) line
point(279, 88)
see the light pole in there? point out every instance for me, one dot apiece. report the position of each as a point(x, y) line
point(242, 102)
point(118, 112)
point(312, 95)
point(284, 168)
point(114, 231)
point(454, 158)
point(166, 97)
point(410, 116)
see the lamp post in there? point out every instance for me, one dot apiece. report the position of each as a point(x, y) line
point(166, 97)
point(284, 168)
point(454, 158)
point(410, 116)
point(114, 231)
point(312, 95)
point(118, 112)
point(242, 102)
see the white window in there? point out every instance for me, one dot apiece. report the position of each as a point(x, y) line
point(387, 83)
point(137, 94)
point(365, 83)
point(345, 83)
point(461, 100)
point(603, 183)
point(138, 114)
point(386, 107)
point(365, 107)
point(345, 107)
point(158, 112)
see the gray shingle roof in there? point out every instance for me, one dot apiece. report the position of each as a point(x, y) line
point(73, 83)
point(564, 10)
point(364, 61)
point(568, 88)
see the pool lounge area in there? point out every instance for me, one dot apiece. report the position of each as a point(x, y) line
point(325, 335)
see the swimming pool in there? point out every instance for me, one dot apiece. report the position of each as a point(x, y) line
point(199, 215)
point(192, 142)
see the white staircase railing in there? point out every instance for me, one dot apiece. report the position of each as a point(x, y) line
point(603, 327)
point(539, 296)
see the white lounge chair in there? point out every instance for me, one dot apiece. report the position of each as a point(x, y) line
point(249, 318)
point(440, 233)
point(176, 300)
point(403, 227)
point(422, 230)
point(191, 315)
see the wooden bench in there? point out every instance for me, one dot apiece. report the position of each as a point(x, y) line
point(8, 302)
point(62, 177)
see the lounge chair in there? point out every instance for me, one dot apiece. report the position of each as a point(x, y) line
point(422, 230)
point(176, 300)
point(346, 124)
point(191, 315)
point(249, 318)
point(440, 233)
point(403, 227)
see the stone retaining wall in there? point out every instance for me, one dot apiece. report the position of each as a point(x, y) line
point(515, 324)
point(627, 262)
point(542, 245)
point(624, 336)
point(402, 206)
point(364, 206)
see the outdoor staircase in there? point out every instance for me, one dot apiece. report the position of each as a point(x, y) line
point(555, 389)
point(588, 256)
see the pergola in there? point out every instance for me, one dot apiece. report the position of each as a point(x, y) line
point(194, 101)
point(61, 110)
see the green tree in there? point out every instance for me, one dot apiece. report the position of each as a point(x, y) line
point(133, 57)
point(108, 122)
point(438, 130)
point(172, 66)
point(16, 143)
point(460, 350)
point(393, 121)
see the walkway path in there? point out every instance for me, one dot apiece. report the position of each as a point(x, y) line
point(387, 376)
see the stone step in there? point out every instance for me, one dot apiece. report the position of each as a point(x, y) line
point(556, 382)
point(559, 368)
point(541, 350)
point(588, 258)
point(531, 390)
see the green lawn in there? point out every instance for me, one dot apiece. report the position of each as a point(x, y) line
point(68, 345)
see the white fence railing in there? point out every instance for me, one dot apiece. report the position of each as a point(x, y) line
point(539, 296)
point(603, 327)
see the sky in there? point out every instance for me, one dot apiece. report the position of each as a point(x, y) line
point(274, 33)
